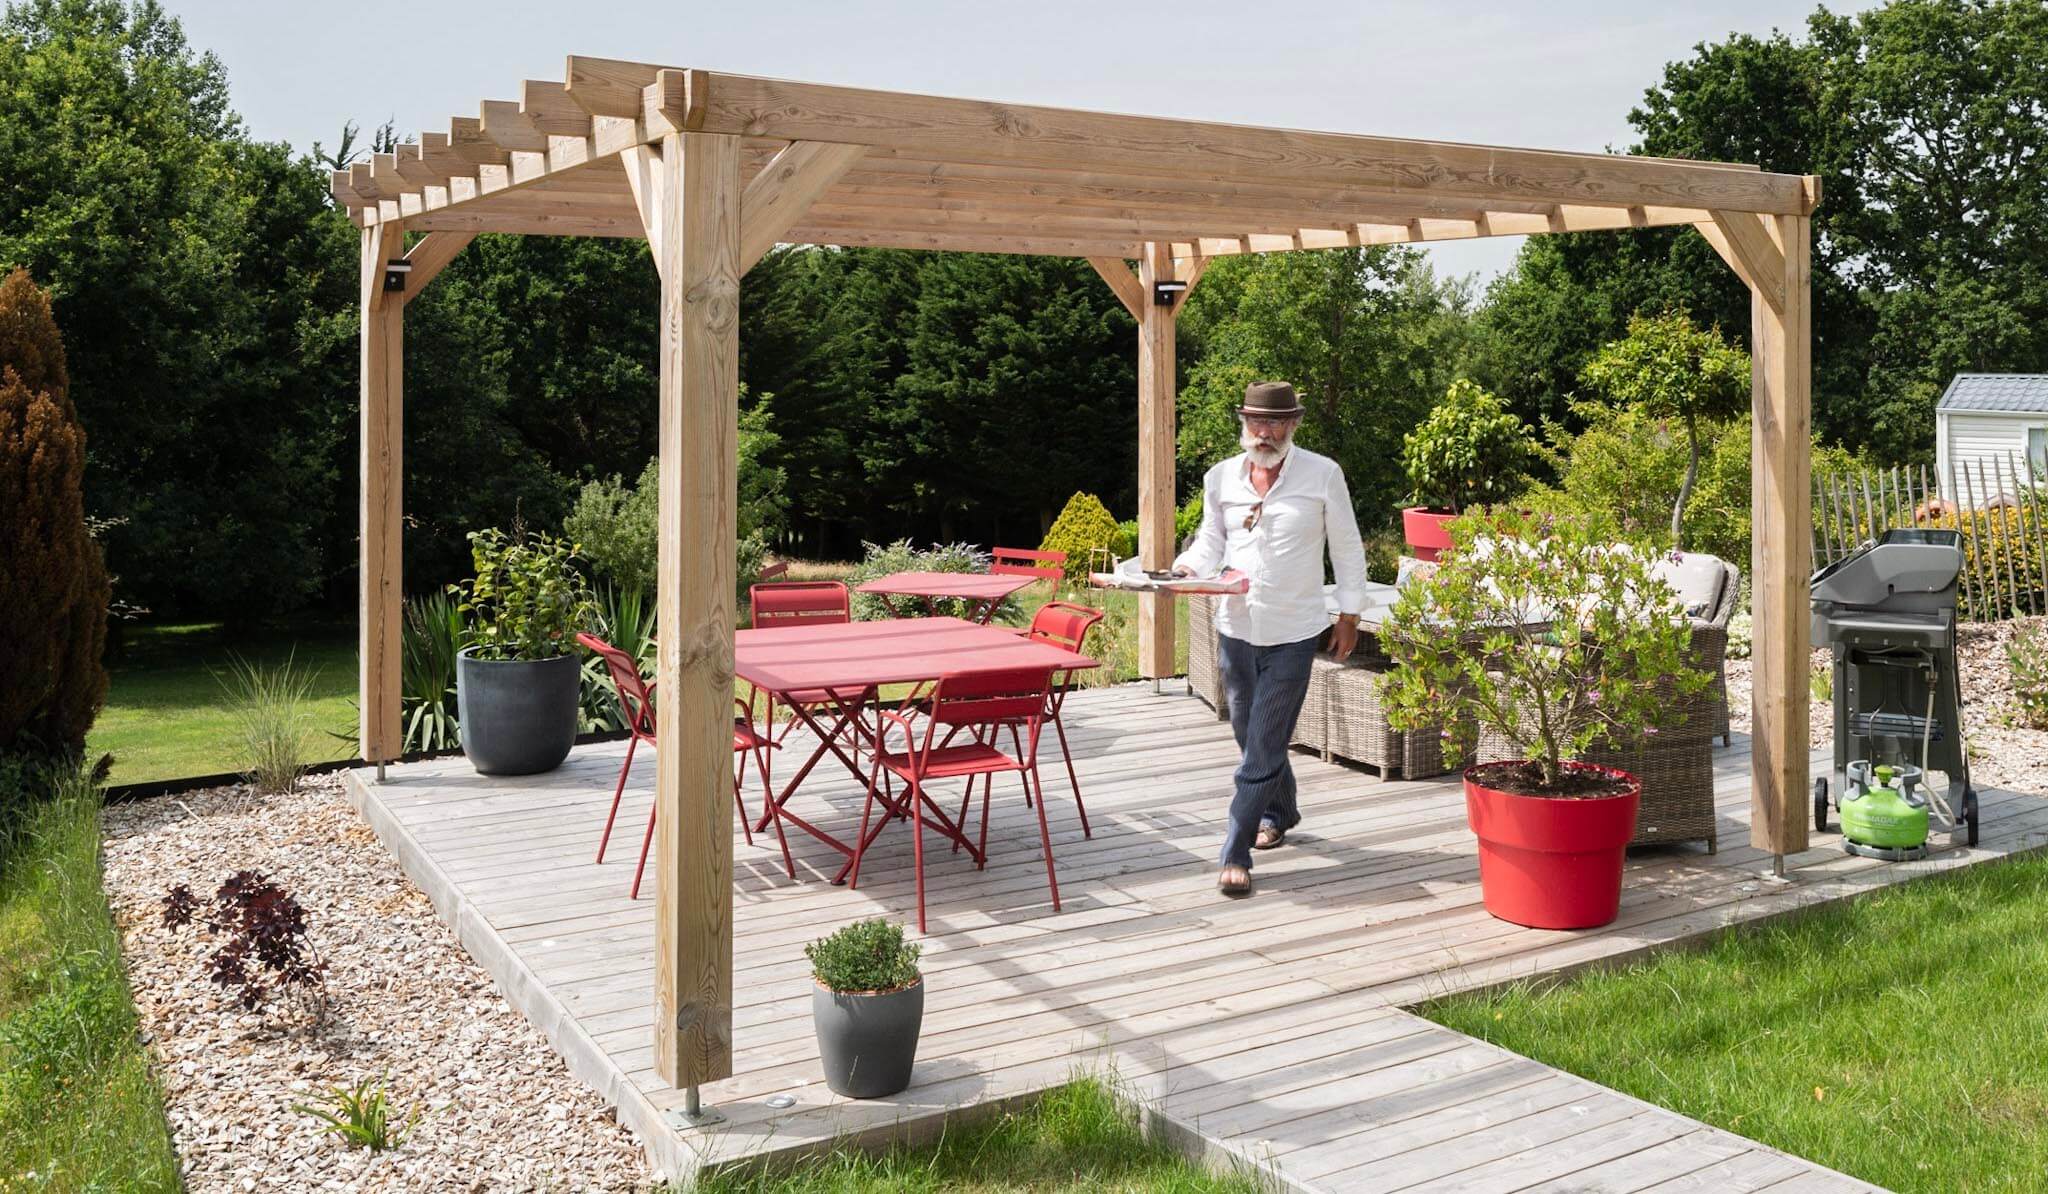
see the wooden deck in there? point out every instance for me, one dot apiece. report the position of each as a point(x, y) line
point(1266, 1032)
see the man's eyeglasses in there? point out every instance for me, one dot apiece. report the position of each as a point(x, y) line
point(1252, 519)
point(1261, 423)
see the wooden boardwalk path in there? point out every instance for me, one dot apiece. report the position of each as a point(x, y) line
point(1267, 1031)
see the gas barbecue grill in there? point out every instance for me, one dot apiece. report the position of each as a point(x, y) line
point(1887, 612)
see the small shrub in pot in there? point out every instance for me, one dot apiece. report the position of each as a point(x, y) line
point(867, 1005)
point(518, 681)
point(1470, 450)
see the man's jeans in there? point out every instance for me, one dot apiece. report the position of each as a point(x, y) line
point(1265, 686)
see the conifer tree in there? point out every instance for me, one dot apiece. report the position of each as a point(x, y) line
point(53, 581)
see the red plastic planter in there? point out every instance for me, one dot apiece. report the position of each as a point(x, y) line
point(1550, 863)
point(1425, 530)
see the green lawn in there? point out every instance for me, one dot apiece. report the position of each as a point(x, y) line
point(1078, 1138)
point(79, 1108)
point(166, 716)
point(1897, 1037)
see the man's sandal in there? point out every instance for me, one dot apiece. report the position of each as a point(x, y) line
point(1234, 881)
point(1269, 837)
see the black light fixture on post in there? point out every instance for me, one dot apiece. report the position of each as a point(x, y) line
point(1166, 294)
point(395, 271)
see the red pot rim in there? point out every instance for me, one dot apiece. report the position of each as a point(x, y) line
point(1635, 783)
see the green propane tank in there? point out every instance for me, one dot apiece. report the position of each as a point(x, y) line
point(1880, 814)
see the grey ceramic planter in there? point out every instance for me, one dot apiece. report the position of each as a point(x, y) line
point(517, 716)
point(867, 1041)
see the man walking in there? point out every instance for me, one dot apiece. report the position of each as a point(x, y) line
point(1270, 512)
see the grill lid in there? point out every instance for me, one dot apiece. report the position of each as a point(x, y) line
point(1908, 570)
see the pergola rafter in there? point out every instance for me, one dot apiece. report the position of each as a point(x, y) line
point(713, 169)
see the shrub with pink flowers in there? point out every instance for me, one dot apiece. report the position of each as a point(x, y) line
point(1544, 630)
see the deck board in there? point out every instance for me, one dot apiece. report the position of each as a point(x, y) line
point(1264, 1033)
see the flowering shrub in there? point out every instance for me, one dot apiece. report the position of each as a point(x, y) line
point(1542, 631)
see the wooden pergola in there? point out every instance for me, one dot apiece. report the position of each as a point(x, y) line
point(713, 170)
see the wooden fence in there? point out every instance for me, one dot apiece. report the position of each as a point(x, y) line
point(1996, 504)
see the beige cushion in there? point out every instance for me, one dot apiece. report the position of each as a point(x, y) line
point(1696, 577)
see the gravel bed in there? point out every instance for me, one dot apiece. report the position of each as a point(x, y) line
point(501, 1110)
point(2004, 753)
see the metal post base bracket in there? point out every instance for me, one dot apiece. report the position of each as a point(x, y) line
point(692, 1114)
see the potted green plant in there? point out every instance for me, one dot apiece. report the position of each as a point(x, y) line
point(867, 1005)
point(1548, 637)
point(1470, 450)
point(517, 683)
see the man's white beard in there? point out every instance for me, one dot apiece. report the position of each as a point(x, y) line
point(1263, 454)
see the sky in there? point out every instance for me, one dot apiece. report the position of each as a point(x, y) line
point(1556, 75)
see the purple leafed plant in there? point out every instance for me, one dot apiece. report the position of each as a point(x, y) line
point(264, 947)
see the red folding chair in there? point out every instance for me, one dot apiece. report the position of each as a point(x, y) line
point(636, 702)
point(1020, 561)
point(772, 571)
point(982, 703)
point(1061, 624)
point(808, 603)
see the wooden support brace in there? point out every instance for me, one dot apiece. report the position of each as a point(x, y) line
point(1190, 271)
point(429, 257)
point(1753, 253)
point(785, 189)
point(643, 176)
point(1123, 283)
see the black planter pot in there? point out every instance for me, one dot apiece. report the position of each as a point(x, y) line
point(866, 1040)
point(517, 716)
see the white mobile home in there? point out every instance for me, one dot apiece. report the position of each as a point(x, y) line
point(1991, 434)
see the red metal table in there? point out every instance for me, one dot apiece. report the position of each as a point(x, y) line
point(837, 657)
point(982, 588)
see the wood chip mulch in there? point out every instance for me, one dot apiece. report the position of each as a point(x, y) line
point(2003, 751)
point(405, 1003)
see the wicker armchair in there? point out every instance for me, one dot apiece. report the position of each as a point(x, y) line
point(1675, 765)
point(1205, 668)
point(1341, 716)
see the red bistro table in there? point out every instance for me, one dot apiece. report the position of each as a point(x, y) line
point(985, 589)
point(836, 657)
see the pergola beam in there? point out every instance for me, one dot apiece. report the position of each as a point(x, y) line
point(977, 131)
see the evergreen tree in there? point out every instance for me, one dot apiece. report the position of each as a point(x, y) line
point(53, 583)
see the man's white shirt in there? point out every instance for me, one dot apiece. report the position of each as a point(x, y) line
point(1308, 507)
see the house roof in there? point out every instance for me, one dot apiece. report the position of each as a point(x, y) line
point(2020, 393)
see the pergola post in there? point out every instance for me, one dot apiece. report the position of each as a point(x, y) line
point(380, 598)
point(1781, 545)
point(697, 206)
point(380, 575)
point(1156, 322)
